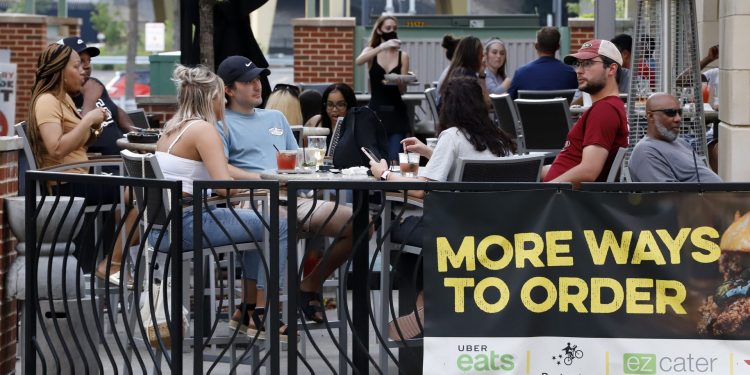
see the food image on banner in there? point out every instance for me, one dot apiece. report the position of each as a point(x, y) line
point(575, 282)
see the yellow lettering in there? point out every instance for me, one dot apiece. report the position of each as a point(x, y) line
point(531, 254)
point(482, 302)
point(548, 302)
point(609, 242)
point(711, 249)
point(646, 249)
point(458, 284)
point(599, 307)
point(569, 298)
point(675, 301)
point(465, 254)
point(674, 245)
point(633, 296)
point(504, 259)
point(554, 249)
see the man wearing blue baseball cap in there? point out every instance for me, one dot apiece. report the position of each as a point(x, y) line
point(94, 95)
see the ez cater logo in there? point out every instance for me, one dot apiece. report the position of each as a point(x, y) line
point(640, 364)
point(649, 364)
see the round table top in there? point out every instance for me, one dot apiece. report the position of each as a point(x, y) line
point(316, 176)
point(124, 144)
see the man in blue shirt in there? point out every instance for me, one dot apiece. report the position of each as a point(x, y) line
point(249, 135)
point(546, 72)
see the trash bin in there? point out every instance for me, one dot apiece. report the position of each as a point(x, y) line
point(161, 67)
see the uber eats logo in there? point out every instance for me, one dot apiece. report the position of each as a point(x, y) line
point(647, 364)
point(476, 358)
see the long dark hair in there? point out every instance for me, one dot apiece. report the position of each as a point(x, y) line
point(309, 101)
point(463, 107)
point(349, 97)
point(465, 60)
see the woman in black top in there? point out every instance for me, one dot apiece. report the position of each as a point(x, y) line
point(383, 56)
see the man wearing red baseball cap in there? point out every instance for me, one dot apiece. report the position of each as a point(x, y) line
point(593, 141)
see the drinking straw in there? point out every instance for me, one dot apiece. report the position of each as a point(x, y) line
point(277, 149)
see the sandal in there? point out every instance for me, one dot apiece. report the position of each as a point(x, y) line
point(310, 311)
point(407, 327)
point(259, 331)
point(242, 323)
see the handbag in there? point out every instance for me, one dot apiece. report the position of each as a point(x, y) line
point(158, 322)
point(361, 128)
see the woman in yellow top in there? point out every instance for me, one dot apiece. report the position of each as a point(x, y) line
point(58, 135)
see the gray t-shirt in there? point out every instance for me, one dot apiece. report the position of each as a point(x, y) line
point(654, 160)
point(452, 144)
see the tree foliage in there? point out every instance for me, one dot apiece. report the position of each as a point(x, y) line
point(109, 23)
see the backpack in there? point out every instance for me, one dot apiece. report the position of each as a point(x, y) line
point(361, 128)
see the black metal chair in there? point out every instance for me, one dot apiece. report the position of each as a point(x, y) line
point(545, 123)
point(507, 115)
point(431, 95)
point(516, 168)
point(547, 94)
point(616, 169)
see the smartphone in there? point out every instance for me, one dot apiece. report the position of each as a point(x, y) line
point(369, 154)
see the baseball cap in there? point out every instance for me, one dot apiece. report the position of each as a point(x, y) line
point(239, 69)
point(78, 45)
point(593, 48)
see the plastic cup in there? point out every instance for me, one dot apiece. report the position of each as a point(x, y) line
point(286, 160)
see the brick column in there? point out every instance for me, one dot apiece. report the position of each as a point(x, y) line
point(324, 50)
point(581, 31)
point(25, 36)
point(9, 147)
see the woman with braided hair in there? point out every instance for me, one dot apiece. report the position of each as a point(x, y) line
point(58, 134)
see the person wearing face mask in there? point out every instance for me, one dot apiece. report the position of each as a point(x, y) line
point(384, 56)
point(93, 96)
point(662, 156)
point(496, 58)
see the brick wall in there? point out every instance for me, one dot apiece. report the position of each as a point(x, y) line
point(580, 33)
point(161, 107)
point(324, 50)
point(8, 320)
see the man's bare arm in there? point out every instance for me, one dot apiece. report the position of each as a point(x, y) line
point(593, 160)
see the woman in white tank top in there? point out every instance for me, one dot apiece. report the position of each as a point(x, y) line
point(191, 149)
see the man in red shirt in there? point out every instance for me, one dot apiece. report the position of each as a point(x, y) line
point(593, 141)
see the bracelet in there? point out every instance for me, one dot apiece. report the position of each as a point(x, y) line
point(95, 132)
point(384, 175)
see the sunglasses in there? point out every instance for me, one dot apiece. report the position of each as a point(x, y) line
point(292, 89)
point(669, 112)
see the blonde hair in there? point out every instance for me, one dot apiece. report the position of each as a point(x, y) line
point(49, 79)
point(196, 90)
point(375, 38)
point(288, 104)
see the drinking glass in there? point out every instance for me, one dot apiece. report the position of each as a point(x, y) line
point(286, 160)
point(316, 146)
point(409, 164)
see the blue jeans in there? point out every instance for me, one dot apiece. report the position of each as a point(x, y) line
point(248, 228)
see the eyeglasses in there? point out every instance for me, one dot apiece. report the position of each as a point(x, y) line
point(338, 105)
point(292, 89)
point(669, 112)
point(586, 64)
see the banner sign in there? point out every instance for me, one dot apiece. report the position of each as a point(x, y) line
point(7, 98)
point(573, 282)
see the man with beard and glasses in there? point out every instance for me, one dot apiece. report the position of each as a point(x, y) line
point(662, 156)
point(595, 138)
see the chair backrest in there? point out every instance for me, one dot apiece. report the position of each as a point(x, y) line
point(507, 115)
point(20, 129)
point(516, 168)
point(139, 119)
point(431, 95)
point(297, 131)
point(547, 94)
point(154, 202)
point(614, 170)
point(545, 123)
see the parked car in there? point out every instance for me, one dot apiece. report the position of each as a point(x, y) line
point(116, 86)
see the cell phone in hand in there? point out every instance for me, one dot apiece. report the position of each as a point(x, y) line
point(370, 155)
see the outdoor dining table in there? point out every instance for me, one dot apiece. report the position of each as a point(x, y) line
point(360, 257)
point(124, 144)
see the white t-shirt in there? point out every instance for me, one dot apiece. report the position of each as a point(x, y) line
point(451, 145)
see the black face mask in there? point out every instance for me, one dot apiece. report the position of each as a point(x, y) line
point(388, 36)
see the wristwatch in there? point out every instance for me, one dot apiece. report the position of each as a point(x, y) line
point(384, 175)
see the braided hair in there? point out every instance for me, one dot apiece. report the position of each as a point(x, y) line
point(49, 79)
